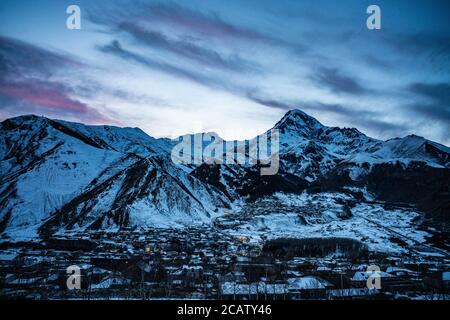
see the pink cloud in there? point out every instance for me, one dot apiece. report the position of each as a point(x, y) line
point(52, 97)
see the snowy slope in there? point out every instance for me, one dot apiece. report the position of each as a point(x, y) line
point(410, 170)
point(320, 215)
point(127, 140)
point(42, 168)
point(46, 164)
point(58, 176)
point(310, 149)
point(151, 192)
point(405, 150)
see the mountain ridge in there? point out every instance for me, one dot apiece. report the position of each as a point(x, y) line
point(60, 175)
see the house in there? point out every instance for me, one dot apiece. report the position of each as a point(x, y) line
point(114, 281)
point(359, 279)
point(307, 287)
point(234, 276)
point(352, 293)
point(402, 272)
point(232, 290)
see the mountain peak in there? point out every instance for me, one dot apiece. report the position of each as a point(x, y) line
point(298, 121)
point(25, 118)
point(296, 112)
point(29, 120)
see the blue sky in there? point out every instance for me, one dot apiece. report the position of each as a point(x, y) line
point(234, 67)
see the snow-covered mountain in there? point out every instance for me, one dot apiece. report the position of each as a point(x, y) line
point(316, 155)
point(408, 149)
point(309, 149)
point(57, 176)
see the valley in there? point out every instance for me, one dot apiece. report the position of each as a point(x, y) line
point(111, 202)
point(236, 257)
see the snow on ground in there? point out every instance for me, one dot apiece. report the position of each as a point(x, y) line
point(404, 150)
point(370, 223)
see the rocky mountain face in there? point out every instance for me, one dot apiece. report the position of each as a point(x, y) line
point(309, 149)
point(410, 170)
point(57, 176)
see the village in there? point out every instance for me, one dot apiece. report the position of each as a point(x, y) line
point(205, 263)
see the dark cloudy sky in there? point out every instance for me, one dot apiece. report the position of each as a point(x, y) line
point(234, 67)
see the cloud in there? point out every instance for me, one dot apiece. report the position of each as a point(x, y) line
point(48, 97)
point(436, 103)
point(338, 82)
point(19, 58)
point(116, 49)
point(438, 93)
point(416, 43)
point(271, 103)
point(431, 50)
point(210, 81)
point(41, 93)
point(370, 122)
point(210, 25)
point(186, 49)
point(287, 105)
point(171, 14)
point(435, 106)
point(186, 23)
point(361, 118)
point(253, 54)
point(25, 82)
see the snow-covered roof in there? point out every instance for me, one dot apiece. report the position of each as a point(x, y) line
point(293, 284)
point(109, 281)
point(307, 282)
point(364, 275)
